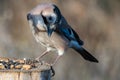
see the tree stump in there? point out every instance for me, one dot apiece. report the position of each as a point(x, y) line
point(24, 70)
point(25, 75)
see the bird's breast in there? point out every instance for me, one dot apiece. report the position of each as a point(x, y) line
point(58, 41)
point(43, 39)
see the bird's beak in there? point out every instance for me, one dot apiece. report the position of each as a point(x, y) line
point(49, 31)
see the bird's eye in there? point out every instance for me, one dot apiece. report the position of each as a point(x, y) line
point(51, 19)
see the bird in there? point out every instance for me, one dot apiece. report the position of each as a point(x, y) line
point(51, 30)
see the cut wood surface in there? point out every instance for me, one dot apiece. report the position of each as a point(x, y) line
point(25, 72)
point(25, 75)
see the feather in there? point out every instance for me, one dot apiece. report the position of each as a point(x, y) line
point(86, 55)
point(69, 34)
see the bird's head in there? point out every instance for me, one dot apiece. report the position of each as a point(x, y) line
point(44, 17)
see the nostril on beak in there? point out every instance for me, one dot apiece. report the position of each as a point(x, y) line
point(29, 16)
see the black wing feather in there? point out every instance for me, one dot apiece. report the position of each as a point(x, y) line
point(70, 34)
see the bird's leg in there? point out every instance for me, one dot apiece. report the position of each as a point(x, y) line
point(58, 57)
point(43, 54)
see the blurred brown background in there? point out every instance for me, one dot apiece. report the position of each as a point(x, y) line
point(96, 21)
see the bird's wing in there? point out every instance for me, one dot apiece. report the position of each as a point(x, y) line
point(69, 33)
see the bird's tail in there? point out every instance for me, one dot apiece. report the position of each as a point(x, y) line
point(86, 55)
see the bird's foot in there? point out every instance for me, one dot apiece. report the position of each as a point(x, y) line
point(38, 60)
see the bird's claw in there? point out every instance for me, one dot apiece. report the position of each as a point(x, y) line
point(38, 59)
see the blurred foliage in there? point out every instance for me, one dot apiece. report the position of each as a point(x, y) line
point(96, 21)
